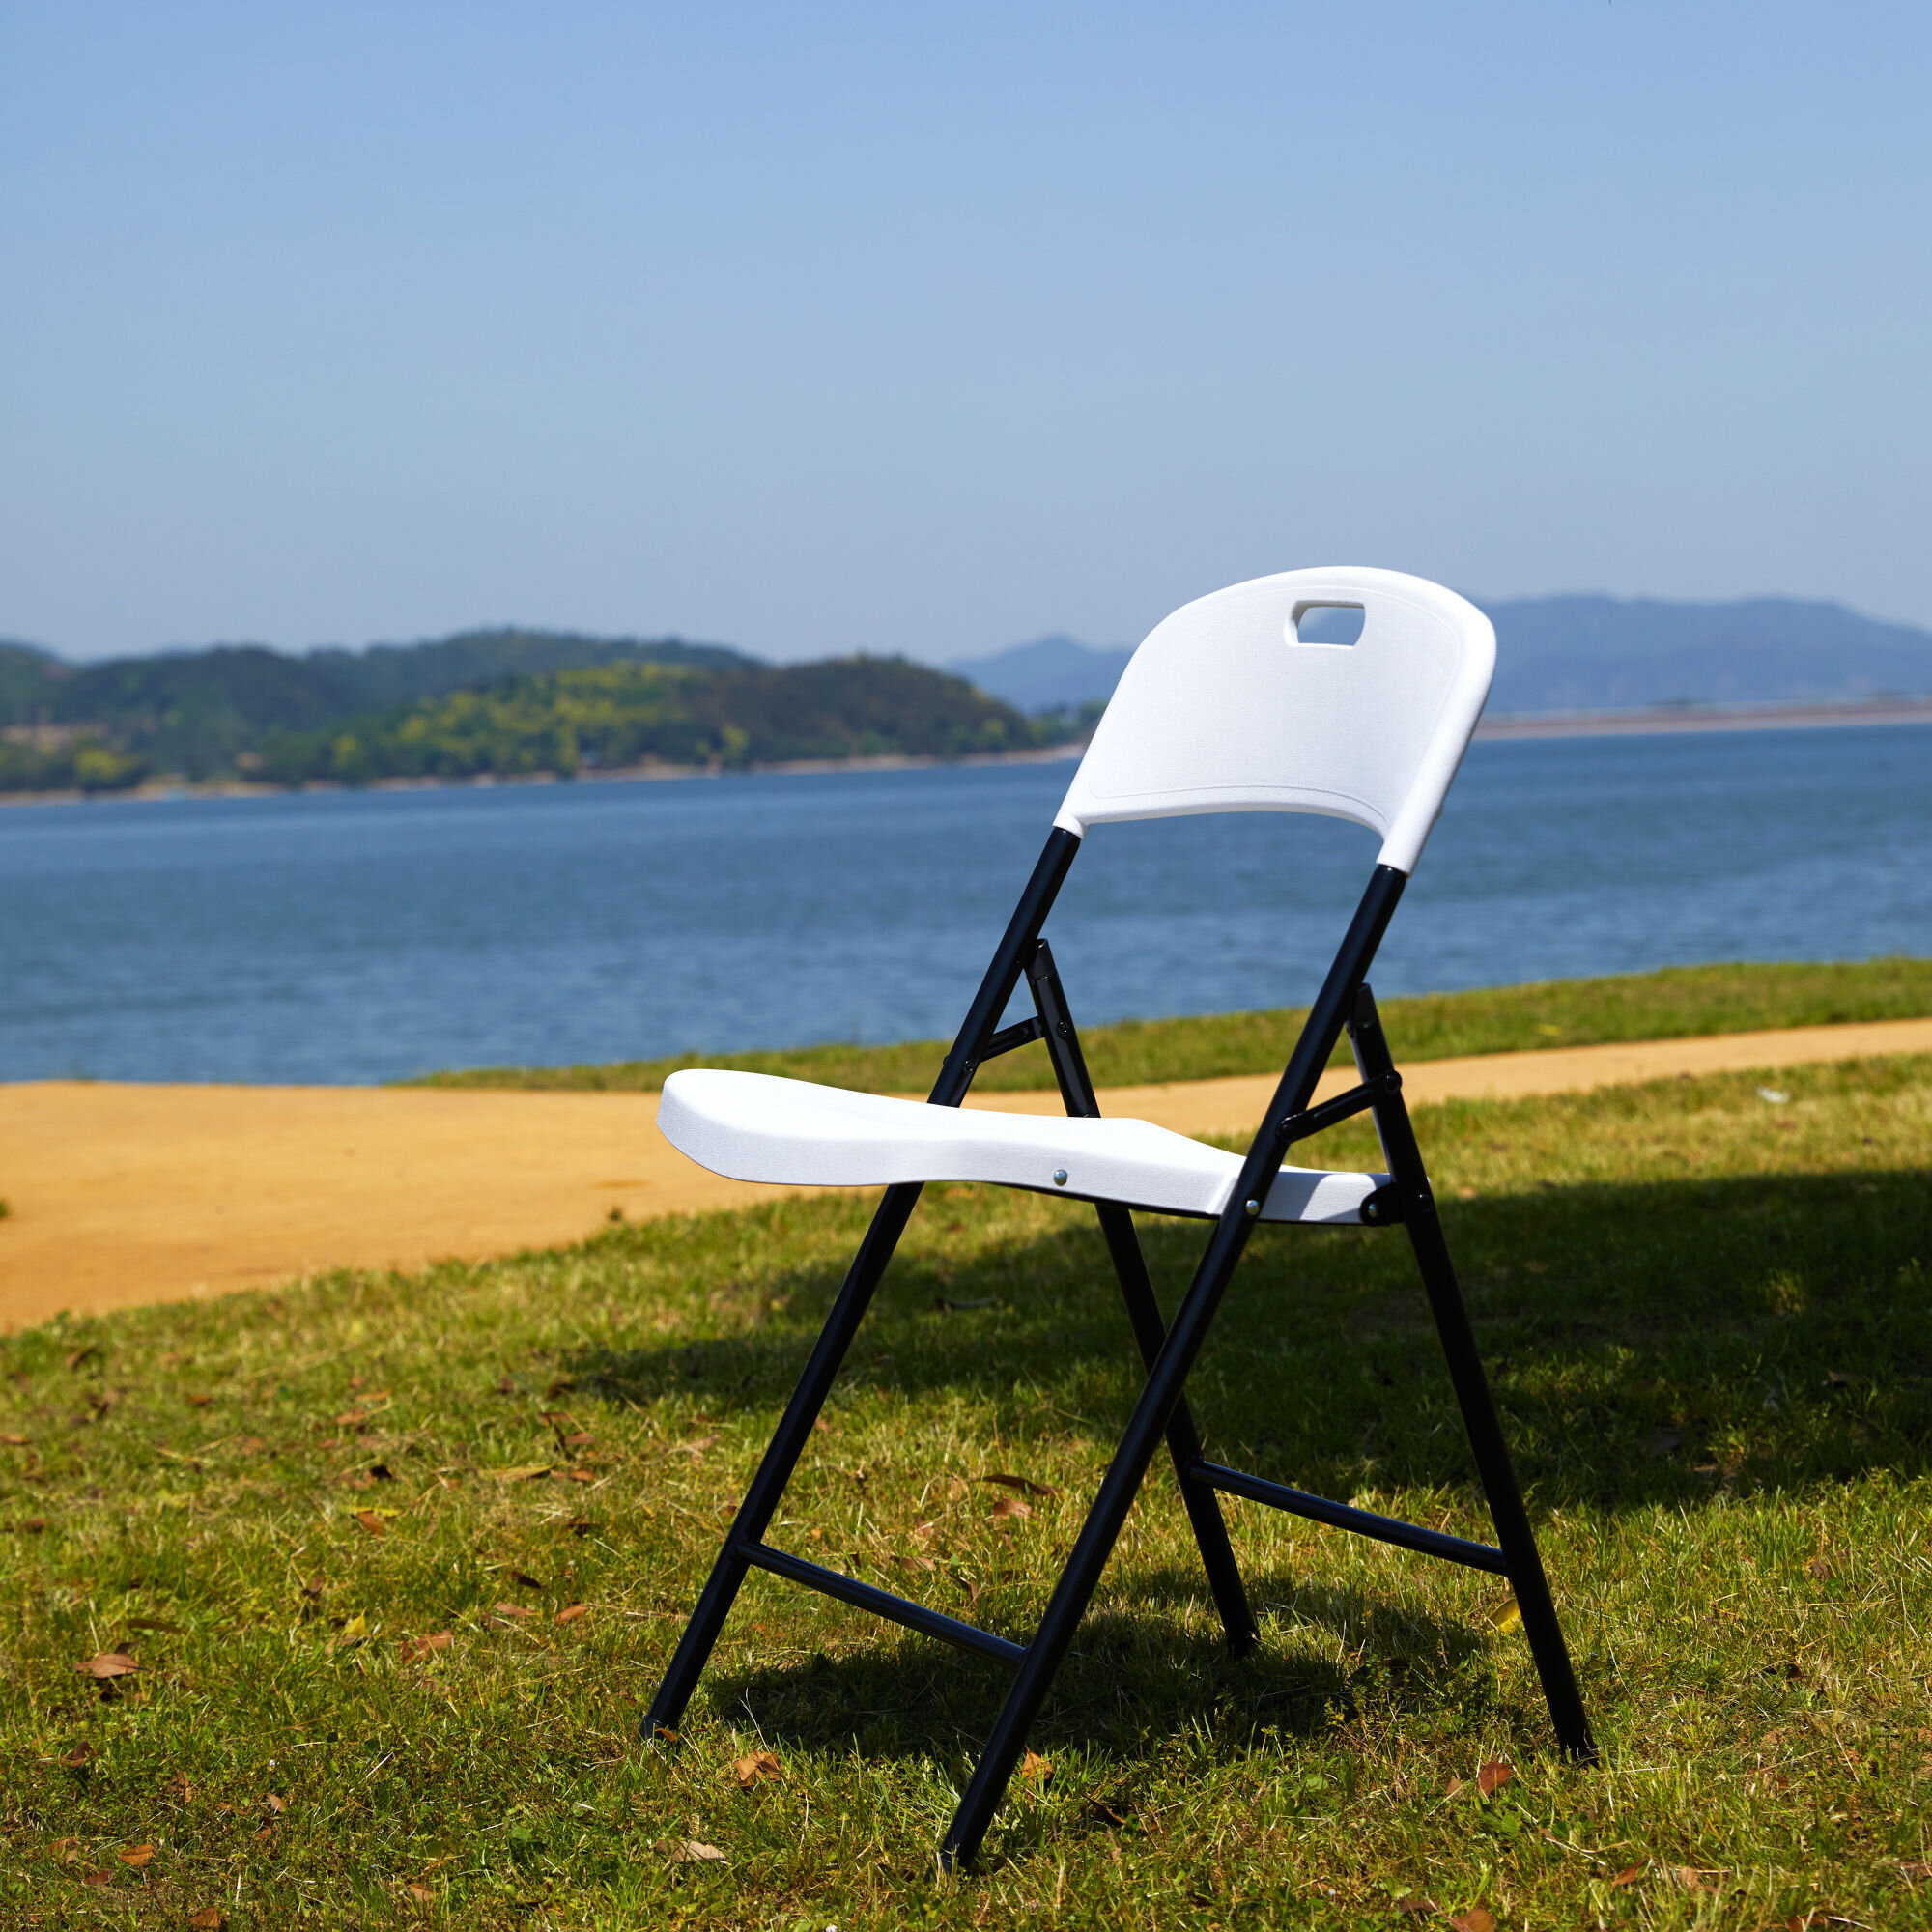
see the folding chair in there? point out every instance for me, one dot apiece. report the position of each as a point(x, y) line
point(1223, 708)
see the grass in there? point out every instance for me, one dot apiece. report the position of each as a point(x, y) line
point(1678, 1002)
point(1706, 1318)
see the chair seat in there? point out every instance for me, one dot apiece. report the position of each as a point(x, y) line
point(754, 1126)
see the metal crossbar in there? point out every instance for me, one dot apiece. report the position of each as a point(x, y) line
point(883, 1604)
point(1168, 1353)
point(1344, 1515)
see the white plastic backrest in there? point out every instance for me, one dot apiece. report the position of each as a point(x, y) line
point(1224, 709)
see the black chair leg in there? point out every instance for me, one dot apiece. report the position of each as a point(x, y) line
point(1183, 1442)
point(1514, 1535)
point(788, 1444)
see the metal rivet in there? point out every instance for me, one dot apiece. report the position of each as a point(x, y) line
point(1060, 1176)
point(1252, 1209)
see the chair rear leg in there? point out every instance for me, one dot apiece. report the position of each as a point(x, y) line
point(788, 1444)
point(1514, 1535)
point(1183, 1443)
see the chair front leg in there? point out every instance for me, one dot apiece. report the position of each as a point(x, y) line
point(794, 1431)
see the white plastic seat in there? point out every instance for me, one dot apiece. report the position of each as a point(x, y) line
point(754, 1126)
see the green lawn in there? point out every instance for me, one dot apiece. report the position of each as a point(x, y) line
point(1676, 1004)
point(1706, 1313)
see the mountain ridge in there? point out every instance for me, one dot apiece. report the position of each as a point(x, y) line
point(1588, 651)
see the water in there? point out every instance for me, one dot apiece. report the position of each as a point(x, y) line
point(361, 937)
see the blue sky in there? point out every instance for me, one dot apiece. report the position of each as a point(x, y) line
point(826, 328)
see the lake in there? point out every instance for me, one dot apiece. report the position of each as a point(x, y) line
point(364, 936)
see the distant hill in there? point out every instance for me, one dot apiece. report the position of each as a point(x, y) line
point(501, 701)
point(1049, 674)
point(1585, 653)
point(1598, 653)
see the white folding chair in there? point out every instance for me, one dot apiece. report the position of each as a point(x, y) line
point(1223, 708)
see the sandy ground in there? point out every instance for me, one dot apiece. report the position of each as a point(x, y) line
point(124, 1194)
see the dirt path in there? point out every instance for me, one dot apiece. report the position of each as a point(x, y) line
point(123, 1194)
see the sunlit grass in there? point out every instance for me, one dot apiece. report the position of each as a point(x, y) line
point(1677, 1003)
point(1706, 1317)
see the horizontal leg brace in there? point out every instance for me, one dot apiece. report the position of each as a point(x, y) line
point(1343, 1516)
point(883, 1604)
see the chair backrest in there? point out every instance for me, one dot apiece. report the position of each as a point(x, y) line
point(1223, 708)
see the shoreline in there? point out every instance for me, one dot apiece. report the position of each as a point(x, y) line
point(1665, 720)
point(1649, 720)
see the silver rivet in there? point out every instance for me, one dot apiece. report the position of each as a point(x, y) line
point(1060, 1176)
point(1253, 1209)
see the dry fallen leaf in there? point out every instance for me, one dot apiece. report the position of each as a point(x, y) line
point(755, 1768)
point(1913, 1868)
point(1507, 1614)
point(571, 1613)
point(1023, 1484)
point(1415, 1906)
point(66, 1849)
point(696, 1448)
point(524, 1472)
point(513, 1611)
point(1629, 1875)
point(79, 1755)
point(415, 1647)
point(15, 1441)
point(97, 1878)
point(529, 1582)
point(1692, 1879)
point(1033, 1766)
point(109, 1664)
point(1010, 1506)
point(1820, 1570)
point(1493, 1775)
point(695, 1851)
point(416, 1890)
point(135, 1854)
point(275, 1804)
point(199, 1400)
point(1476, 1919)
point(210, 1918)
point(581, 1439)
point(372, 1521)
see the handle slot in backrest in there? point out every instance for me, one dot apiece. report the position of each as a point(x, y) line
point(1332, 624)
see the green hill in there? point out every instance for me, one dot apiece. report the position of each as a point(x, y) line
point(499, 702)
point(619, 715)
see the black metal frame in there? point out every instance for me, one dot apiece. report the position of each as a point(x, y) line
point(1168, 1354)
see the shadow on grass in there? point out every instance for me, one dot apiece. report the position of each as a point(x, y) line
point(1645, 1343)
point(1124, 1682)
